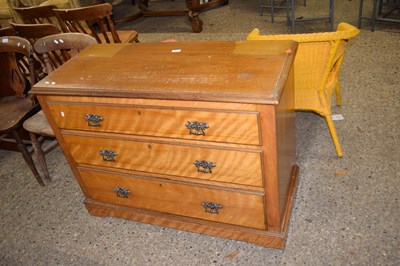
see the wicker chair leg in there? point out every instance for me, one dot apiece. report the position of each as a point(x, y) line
point(334, 136)
point(338, 95)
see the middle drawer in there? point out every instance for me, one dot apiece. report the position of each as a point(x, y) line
point(223, 165)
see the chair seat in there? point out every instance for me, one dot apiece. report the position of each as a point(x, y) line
point(14, 110)
point(38, 124)
point(126, 36)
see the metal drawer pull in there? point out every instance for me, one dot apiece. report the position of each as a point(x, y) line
point(108, 155)
point(204, 166)
point(196, 128)
point(93, 120)
point(211, 207)
point(122, 192)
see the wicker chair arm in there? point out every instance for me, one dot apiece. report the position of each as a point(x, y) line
point(344, 31)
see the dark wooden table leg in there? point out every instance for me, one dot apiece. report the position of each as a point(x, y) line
point(193, 14)
point(197, 24)
point(194, 7)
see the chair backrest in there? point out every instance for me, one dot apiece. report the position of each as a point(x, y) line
point(32, 32)
point(59, 48)
point(17, 55)
point(37, 14)
point(319, 55)
point(93, 20)
point(7, 31)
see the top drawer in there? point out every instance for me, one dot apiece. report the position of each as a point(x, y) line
point(221, 126)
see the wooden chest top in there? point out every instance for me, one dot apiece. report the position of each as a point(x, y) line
point(244, 71)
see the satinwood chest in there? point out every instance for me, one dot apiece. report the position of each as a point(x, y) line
point(197, 136)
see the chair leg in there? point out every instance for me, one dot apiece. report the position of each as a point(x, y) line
point(40, 156)
point(292, 16)
point(331, 14)
point(27, 157)
point(374, 10)
point(360, 12)
point(334, 136)
point(271, 6)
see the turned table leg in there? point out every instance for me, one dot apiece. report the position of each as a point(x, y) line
point(193, 14)
point(197, 6)
point(197, 24)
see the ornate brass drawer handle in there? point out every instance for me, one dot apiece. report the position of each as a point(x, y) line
point(197, 128)
point(211, 207)
point(122, 192)
point(204, 166)
point(108, 155)
point(93, 120)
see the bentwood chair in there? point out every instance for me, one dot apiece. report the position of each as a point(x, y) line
point(96, 21)
point(316, 70)
point(17, 76)
point(56, 50)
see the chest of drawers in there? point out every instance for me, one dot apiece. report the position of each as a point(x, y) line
point(194, 136)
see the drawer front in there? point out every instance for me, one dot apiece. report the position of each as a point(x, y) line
point(232, 166)
point(223, 206)
point(230, 127)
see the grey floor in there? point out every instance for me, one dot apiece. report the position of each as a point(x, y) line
point(346, 211)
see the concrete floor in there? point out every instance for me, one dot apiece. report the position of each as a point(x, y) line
point(346, 211)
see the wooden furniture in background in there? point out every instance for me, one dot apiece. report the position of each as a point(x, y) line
point(11, 4)
point(37, 14)
point(7, 31)
point(15, 108)
point(56, 50)
point(317, 70)
point(204, 145)
point(96, 21)
point(193, 9)
point(33, 32)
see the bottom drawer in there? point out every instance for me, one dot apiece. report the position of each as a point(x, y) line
point(225, 206)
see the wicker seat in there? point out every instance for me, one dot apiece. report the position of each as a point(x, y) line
point(316, 67)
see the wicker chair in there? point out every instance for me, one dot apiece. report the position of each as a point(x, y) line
point(316, 67)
